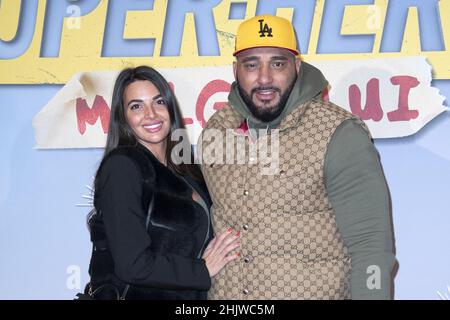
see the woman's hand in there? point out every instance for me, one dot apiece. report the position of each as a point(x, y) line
point(217, 255)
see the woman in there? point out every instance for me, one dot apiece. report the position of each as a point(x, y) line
point(152, 223)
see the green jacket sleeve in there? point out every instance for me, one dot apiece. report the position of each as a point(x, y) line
point(359, 195)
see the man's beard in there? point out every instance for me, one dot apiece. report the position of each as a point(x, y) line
point(261, 113)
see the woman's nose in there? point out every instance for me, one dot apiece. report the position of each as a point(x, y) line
point(149, 111)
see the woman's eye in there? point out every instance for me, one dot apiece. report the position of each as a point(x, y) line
point(135, 106)
point(161, 102)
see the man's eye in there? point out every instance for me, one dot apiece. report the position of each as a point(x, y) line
point(250, 66)
point(278, 64)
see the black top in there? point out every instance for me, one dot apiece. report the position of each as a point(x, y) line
point(158, 249)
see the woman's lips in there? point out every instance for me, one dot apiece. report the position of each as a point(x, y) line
point(154, 127)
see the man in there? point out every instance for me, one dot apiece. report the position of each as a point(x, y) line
point(318, 227)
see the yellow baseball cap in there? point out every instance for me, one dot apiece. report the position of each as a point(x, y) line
point(266, 31)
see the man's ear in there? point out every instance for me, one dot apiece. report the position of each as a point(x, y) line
point(234, 68)
point(298, 63)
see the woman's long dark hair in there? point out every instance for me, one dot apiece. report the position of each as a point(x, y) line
point(120, 133)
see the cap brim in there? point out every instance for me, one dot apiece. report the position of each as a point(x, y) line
point(294, 52)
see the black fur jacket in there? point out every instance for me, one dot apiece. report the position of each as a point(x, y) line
point(148, 233)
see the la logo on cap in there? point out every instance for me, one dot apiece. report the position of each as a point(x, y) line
point(264, 29)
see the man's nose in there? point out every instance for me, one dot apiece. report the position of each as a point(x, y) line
point(264, 75)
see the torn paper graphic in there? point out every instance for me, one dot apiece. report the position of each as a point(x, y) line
point(393, 96)
point(78, 115)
